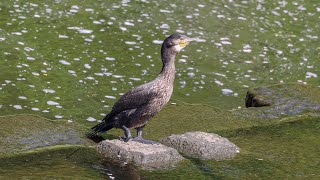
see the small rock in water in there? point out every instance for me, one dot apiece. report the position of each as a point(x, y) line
point(147, 156)
point(283, 99)
point(202, 145)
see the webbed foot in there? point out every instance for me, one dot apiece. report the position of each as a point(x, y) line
point(144, 141)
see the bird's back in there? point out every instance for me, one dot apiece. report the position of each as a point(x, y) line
point(140, 104)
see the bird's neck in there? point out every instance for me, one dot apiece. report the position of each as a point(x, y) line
point(168, 73)
point(168, 69)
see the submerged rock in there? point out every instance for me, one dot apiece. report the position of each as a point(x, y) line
point(146, 156)
point(19, 133)
point(202, 145)
point(283, 99)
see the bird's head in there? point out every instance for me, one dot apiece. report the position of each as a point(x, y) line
point(176, 42)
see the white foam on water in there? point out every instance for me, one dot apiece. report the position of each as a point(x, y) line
point(64, 62)
point(130, 42)
point(85, 31)
point(87, 66)
point(110, 58)
point(52, 103)
point(58, 116)
point(218, 82)
point(157, 41)
point(30, 58)
point(35, 109)
point(17, 106)
point(22, 97)
point(226, 91)
point(128, 23)
point(48, 91)
point(247, 48)
point(135, 79)
point(63, 36)
point(91, 119)
point(110, 97)
point(35, 74)
point(311, 74)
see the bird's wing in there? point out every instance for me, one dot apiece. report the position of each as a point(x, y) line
point(135, 98)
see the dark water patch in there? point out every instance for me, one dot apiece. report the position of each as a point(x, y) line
point(55, 162)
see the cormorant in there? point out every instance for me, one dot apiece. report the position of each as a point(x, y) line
point(136, 107)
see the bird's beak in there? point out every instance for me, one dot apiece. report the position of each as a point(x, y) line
point(190, 39)
point(185, 41)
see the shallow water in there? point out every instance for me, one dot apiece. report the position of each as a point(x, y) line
point(280, 151)
point(72, 60)
point(285, 151)
point(73, 162)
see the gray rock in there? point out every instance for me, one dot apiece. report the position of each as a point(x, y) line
point(282, 99)
point(202, 145)
point(146, 156)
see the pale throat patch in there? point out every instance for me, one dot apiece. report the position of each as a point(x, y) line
point(178, 48)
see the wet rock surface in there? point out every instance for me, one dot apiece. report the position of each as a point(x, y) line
point(283, 99)
point(201, 145)
point(146, 156)
point(27, 132)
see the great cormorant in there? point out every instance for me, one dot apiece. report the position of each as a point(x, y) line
point(136, 107)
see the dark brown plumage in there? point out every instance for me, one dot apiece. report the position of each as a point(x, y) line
point(136, 107)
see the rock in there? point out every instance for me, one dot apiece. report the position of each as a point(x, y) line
point(259, 97)
point(19, 133)
point(146, 156)
point(202, 145)
point(284, 99)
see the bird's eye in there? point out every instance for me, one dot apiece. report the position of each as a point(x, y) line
point(171, 44)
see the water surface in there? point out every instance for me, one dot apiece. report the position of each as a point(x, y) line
point(72, 60)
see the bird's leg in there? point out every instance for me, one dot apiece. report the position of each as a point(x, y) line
point(127, 134)
point(139, 132)
point(140, 139)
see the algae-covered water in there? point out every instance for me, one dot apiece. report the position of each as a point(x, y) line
point(72, 59)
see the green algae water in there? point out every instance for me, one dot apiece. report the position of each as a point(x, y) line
point(72, 59)
point(68, 59)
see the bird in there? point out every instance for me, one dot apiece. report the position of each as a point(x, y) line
point(140, 104)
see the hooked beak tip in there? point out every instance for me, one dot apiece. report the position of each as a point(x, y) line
point(190, 39)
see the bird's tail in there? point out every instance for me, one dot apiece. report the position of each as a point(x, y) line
point(99, 128)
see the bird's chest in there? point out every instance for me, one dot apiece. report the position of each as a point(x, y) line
point(163, 97)
point(167, 95)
